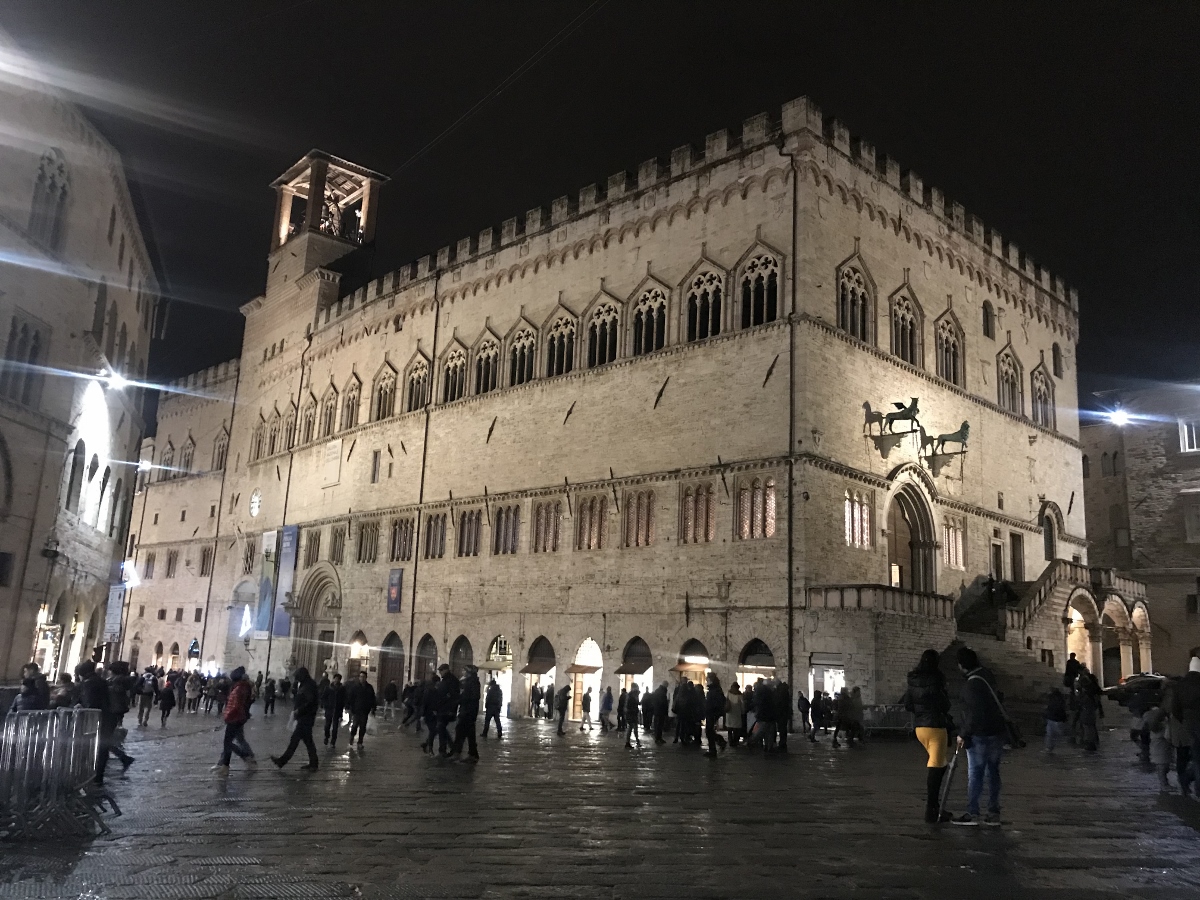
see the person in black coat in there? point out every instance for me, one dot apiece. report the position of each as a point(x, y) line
point(334, 702)
point(468, 713)
point(361, 702)
point(783, 713)
point(446, 695)
point(621, 709)
point(562, 702)
point(492, 702)
point(662, 709)
point(428, 711)
point(802, 707)
point(93, 694)
point(929, 702)
point(304, 714)
point(714, 708)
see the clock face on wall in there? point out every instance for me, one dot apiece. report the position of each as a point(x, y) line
point(255, 502)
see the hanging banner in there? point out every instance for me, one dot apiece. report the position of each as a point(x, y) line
point(282, 625)
point(395, 583)
point(266, 586)
point(112, 615)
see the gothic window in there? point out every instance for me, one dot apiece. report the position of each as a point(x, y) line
point(435, 536)
point(351, 403)
point(402, 540)
point(49, 200)
point(20, 377)
point(167, 463)
point(337, 544)
point(470, 523)
point(760, 291)
point(1087, 466)
point(110, 332)
point(989, 320)
point(650, 322)
point(951, 362)
point(560, 348)
point(858, 506)
point(704, 306)
point(329, 413)
point(698, 516)
point(1008, 383)
point(906, 329)
point(368, 543)
point(1105, 464)
point(854, 304)
point(100, 310)
point(1049, 542)
point(118, 361)
point(172, 563)
point(249, 553)
point(592, 531)
point(258, 442)
point(308, 422)
point(1041, 394)
point(506, 530)
point(185, 457)
point(756, 509)
point(273, 444)
point(121, 252)
point(112, 223)
point(418, 386)
point(383, 405)
point(312, 547)
point(953, 538)
point(1056, 360)
point(487, 367)
point(454, 378)
point(639, 519)
point(288, 435)
point(602, 336)
point(520, 357)
point(220, 450)
point(75, 478)
point(148, 566)
point(547, 524)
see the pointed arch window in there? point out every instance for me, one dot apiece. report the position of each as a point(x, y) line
point(75, 476)
point(858, 506)
point(906, 329)
point(49, 200)
point(1105, 464)
point(854, 303)
point(454, 378)
point(383, 404)
point(167, 463)
point(1008, 383)
point(639, 518)
point(1056, 360)
point(698, 516)
point(650, 322)
point(560, 348)
point(756, 508)
point(351, 401)
point(487, 367)
point(273, 445)
point(989, 320)
point(506, 530)
point(20, 377)
point(547, 524)
point(435, 536)
point(329, 413)
point(602, 335)
point(470, 524)
point(949, 349)
point(220, 451)
point(308, 422)
point(1041, 394)
point(186, 455)
point(760, 291)
point(100, 310)
point(418, 386)
point(704, 306)
point(954, 532)
point(287, 436)
point(592, 529)
point(520, 357)
point(1087, 466)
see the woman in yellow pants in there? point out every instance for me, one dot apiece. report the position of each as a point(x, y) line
point(929, 702)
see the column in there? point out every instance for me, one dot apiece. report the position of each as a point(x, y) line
point(1126, 640)
point(368, 211)
point(1143, 640)
point(283, 215)
point(1096, 644)
point(316, 194)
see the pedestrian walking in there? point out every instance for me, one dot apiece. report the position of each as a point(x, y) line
point(429, 714)
point(1056, 718)
point(147, 694)
point(166, 703)
point(562, 701)
point(1157, 723)
point(735, 710)
point(535, 700)
point(982, 736)
point(548, 698)
point(236, 715)
point(929, 702)
point(714, 709)
point(586, 703)
point(1185, 708)
point(621, 702)
point(662, 709)
point(1088, 692)
point(803, 707)
point(816, 711)
point(304, 717)
point(782, 696)
point(447, 695)
point(391, 694)
point(493, 701)
point(334, 706)
point(468, 715)
point(120, 687)
point(192, 689)
point(268, 696)
point(633, 703)
point(606, 707)
point(361, 703)
point(1181, 743)
point(93, 694)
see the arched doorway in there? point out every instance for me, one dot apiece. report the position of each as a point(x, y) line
point(637, 664)
point(498, 666)
point(912, 542)
point(315, 623)
point(173, 660)
point(158, 655)
point(586, 673)
point(755, 661)
point(1118, 641)
point(1083, 631)
point(461, 656)
point(360, 656)
point(693, 662)
point(391, 662)
point(426, 658)
point(133, 658)
point(540, 669)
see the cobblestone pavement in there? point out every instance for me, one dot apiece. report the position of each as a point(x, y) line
point(549, 817)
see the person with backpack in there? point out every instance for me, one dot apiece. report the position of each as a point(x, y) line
point(147, 690)
point(236, 715)
point(94, 694)
point(983, 733)
point(562, 701)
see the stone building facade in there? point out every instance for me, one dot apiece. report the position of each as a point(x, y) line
point(1142, 486)
point(77, 307)
point(771, 406)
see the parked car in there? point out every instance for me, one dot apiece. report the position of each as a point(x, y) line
point(1147, 687)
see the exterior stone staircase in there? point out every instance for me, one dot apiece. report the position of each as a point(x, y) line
point(1021, 679)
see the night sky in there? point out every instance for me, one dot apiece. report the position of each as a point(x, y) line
point(1072, 129)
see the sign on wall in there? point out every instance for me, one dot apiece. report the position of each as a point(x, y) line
point(282, 625)
point(333, 462)
point(395, 585)
point(112, 614)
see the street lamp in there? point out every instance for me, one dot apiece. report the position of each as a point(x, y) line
point(1119, 417)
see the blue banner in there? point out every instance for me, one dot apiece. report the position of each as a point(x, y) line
point(282, 624)
point(395, 586)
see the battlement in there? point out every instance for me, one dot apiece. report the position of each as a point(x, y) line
point(205, 377)
point(797, 118)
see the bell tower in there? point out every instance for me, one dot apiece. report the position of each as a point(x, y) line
point(326, 209)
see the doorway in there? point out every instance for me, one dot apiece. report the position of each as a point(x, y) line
point(425, 663)
point(391, 662)
point(637, 665)
point(461, 656)
point(755, 661)
point(539, 670)
point(912, 542)
point(586, 673)
point(693, 663)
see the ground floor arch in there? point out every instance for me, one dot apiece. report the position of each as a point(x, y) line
point(754, 662)
point(1083, 631)
point(462, 654)
point(1143, 658)
point(586, 673)
point(694, 662)
point(173, 659)
point(158, 655)
point(540, 668)
point(425, 661)
point(391, 662)
point(498, 667)
point(359, 656)
point(315, 624)
point(911, 541)
point(637, 665)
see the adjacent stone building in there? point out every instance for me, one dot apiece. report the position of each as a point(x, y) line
point(77, 307)
point(766, 406)
point(1141, 477)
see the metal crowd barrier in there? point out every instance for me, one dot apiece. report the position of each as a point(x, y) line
point(47, 762)
point(896, 719)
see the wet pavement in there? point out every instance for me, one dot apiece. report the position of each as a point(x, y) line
point(580, 816)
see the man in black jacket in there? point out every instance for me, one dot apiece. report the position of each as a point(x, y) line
point(493, 700)
point(446, 696)
point(662, 708)
point(304, 712)
point(120, 687)
point(468, 713)
point(714, 708)
point(562, 702)
point(783, 713)
point(361, 701)
point(982, 736)
point(93, 694)
point(335, 705)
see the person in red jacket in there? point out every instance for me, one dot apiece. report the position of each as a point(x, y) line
point(236, 714)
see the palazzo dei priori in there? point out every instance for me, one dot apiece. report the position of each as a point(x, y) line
point(768, 406)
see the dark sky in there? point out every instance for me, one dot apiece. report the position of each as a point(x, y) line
point(1073, 129)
